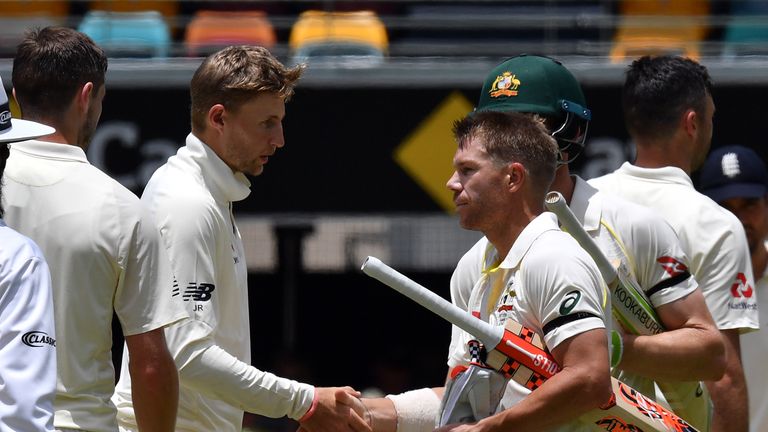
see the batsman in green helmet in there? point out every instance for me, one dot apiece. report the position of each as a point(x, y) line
point(635, 239)
point(543, 86)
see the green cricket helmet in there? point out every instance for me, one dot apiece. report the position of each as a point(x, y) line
point(541, 85)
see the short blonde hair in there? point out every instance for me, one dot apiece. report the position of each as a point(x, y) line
point(235, 75)
point(513, 137)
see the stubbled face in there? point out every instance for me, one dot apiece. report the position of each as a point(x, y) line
point(478, 185)
point(705, 137)
point(92, 118)
point(753, 214)
point(252, 133)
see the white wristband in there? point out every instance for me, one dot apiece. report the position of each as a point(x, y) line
point(417, 410)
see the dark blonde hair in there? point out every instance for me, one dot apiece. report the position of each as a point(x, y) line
point(513, 137)
point(235, 75)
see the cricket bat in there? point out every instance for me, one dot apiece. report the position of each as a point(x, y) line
point(633, 310)
point(514, 347)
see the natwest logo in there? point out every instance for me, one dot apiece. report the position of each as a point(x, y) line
point(37, 339)
point(672, 266)
point(741, 288)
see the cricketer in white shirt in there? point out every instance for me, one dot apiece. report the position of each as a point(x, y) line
point(711, 236)
point(191, 199)
point(547, 283)
point(754, 352)
point(27, 336)
point(105, 257)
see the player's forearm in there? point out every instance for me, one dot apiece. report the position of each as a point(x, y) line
point(687, 354)
point(729, 393)
point(155, 384)
point(381, 414)
point(217, 374)
point(560, 400)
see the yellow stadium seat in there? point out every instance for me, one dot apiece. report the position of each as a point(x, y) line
point(318, 33)
point(652, 27)
point(212, 30)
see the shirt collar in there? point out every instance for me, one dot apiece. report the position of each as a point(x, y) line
point(586, 204)
point(51, 150)
point(230, 186)
point(544, 222)
point(669, 174)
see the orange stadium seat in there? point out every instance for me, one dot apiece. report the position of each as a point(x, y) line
point(18, 16)
point(318, 33)
point(660, 27)
point(211, 30)
point(167, 8)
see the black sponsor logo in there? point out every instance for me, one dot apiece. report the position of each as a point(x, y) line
point(198, 292)
point(631, 306)
point(37, 339)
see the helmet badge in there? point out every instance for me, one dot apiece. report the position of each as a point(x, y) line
point(505, 85)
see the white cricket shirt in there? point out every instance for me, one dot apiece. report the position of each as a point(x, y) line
point(191, 199)
point(104, 254)
point(754, 353)
point(647, 246)
point(543, 272)
point(27, 336)
point(711, 236)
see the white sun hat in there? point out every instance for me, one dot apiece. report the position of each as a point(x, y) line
point(12, 130)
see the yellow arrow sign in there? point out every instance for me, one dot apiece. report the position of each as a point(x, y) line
point(427, 153)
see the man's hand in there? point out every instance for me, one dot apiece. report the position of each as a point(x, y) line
point(338, 410)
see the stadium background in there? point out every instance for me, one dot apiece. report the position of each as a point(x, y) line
point(368, 151)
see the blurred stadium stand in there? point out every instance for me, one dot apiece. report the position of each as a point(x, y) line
point(347, 120)
point(461, 37)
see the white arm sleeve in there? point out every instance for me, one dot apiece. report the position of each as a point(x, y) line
point(27, 352)
point(215, 373)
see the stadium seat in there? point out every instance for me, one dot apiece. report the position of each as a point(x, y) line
point(649, 27)
point(19, 16)
point(319, 34)
point(168, 8)
point(209, 31)
point(128, 34)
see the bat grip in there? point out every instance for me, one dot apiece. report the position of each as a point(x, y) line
point(487, 334)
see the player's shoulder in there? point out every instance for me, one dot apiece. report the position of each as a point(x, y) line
point(554, 247)
point(625, 215)
point(174, 185)
point(600, 181)
point(16, 249)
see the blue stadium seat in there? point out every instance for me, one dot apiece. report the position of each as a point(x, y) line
point(747, 30)
point(128, 34)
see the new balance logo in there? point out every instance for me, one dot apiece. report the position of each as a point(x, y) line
point(198, 291)
point(672, 266)
point(741, 288)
